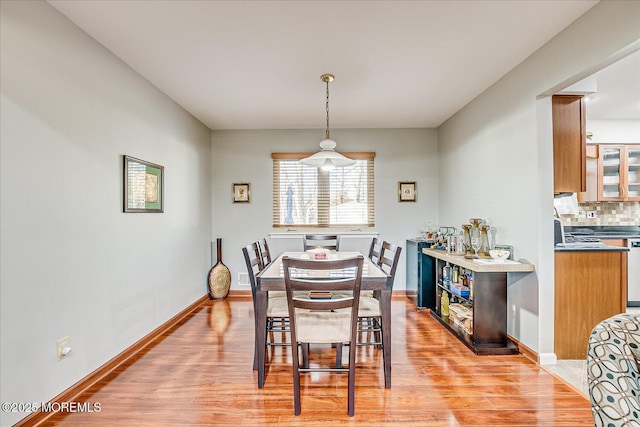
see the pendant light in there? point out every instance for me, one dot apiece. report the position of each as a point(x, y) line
point(327, 158)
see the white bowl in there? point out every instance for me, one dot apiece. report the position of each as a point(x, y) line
point(499, 254)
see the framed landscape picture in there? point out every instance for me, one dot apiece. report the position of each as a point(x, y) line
point(242, 193)
point(143, 186)
point(407, 191)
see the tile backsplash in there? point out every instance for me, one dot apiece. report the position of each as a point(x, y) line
point(606, 213)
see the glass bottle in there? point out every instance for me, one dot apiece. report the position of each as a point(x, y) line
point(460, 245)
point(466, 239)
point(475, 235)
point(446, 274)
point(444, 304)
point(475, 226)
point(484, 241)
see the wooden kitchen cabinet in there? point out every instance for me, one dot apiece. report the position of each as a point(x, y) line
point(619, 173)
point(590, 286)
point(615, 242)
point(592, 175)
point(569, 144)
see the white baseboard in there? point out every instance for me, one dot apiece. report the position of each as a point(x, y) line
point(547, 359)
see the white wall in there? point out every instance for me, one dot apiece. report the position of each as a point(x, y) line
point(614, 131)
point(245, 156)
point(502, 157)
point(71, 262)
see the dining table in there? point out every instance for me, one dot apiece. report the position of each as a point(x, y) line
point(271, 278)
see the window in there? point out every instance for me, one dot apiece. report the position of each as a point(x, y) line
point(308, 196)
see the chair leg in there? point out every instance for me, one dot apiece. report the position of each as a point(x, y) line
point(305, 355)
point(351, 409)
point(352, 380)
point(283, 329)
point(270, 329)
point(296, 381)
point(368, 326)
point(338, 355)
point(377, 335)
point(255, 347)
point(255, 356)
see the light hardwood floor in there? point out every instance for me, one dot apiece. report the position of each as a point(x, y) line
point(200, 374)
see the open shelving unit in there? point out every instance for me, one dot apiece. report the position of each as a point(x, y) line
point(489, 303)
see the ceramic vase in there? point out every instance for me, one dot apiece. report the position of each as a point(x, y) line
point(219, 277)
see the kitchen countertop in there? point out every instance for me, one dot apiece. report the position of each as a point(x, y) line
point(605, 231)
point(585, 247)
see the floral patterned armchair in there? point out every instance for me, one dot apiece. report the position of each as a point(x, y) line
point(613, 371)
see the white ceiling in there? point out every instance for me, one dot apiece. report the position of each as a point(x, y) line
point(617, 94)
point(257, 64)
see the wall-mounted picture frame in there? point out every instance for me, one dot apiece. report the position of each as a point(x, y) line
point(143, 186)
point(242, 193)
point(407, 191)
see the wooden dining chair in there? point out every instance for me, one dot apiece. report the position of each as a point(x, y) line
point(325, 321)
point(374, 250)
point(265, 254)
point(325, 241)
point(369, 314)
point(277, 312)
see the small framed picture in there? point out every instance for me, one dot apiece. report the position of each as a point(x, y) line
point(143, 186)
point(241, 193)
point(407, 191)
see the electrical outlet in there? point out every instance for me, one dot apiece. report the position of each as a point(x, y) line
point(591, 214)
point(63, 343)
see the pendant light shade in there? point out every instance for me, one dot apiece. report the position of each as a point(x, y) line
point(327, 158)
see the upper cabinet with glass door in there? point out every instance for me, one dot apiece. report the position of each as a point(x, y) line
point(619, 167)
point(632, 184)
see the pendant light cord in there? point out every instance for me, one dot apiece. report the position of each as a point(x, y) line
point(327, 131)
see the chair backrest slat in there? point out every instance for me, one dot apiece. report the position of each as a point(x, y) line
point(389, 257)
point(325, 241)
point(325, 305)
point(265, 254)
point(374, 251)
point(253, 261)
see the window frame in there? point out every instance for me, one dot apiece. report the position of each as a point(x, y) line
point(323, 182)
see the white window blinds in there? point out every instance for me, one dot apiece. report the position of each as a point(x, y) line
point(308, 196)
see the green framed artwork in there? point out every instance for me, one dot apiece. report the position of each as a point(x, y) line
point(143, 186)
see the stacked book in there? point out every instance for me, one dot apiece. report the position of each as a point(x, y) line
point(459, 290)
